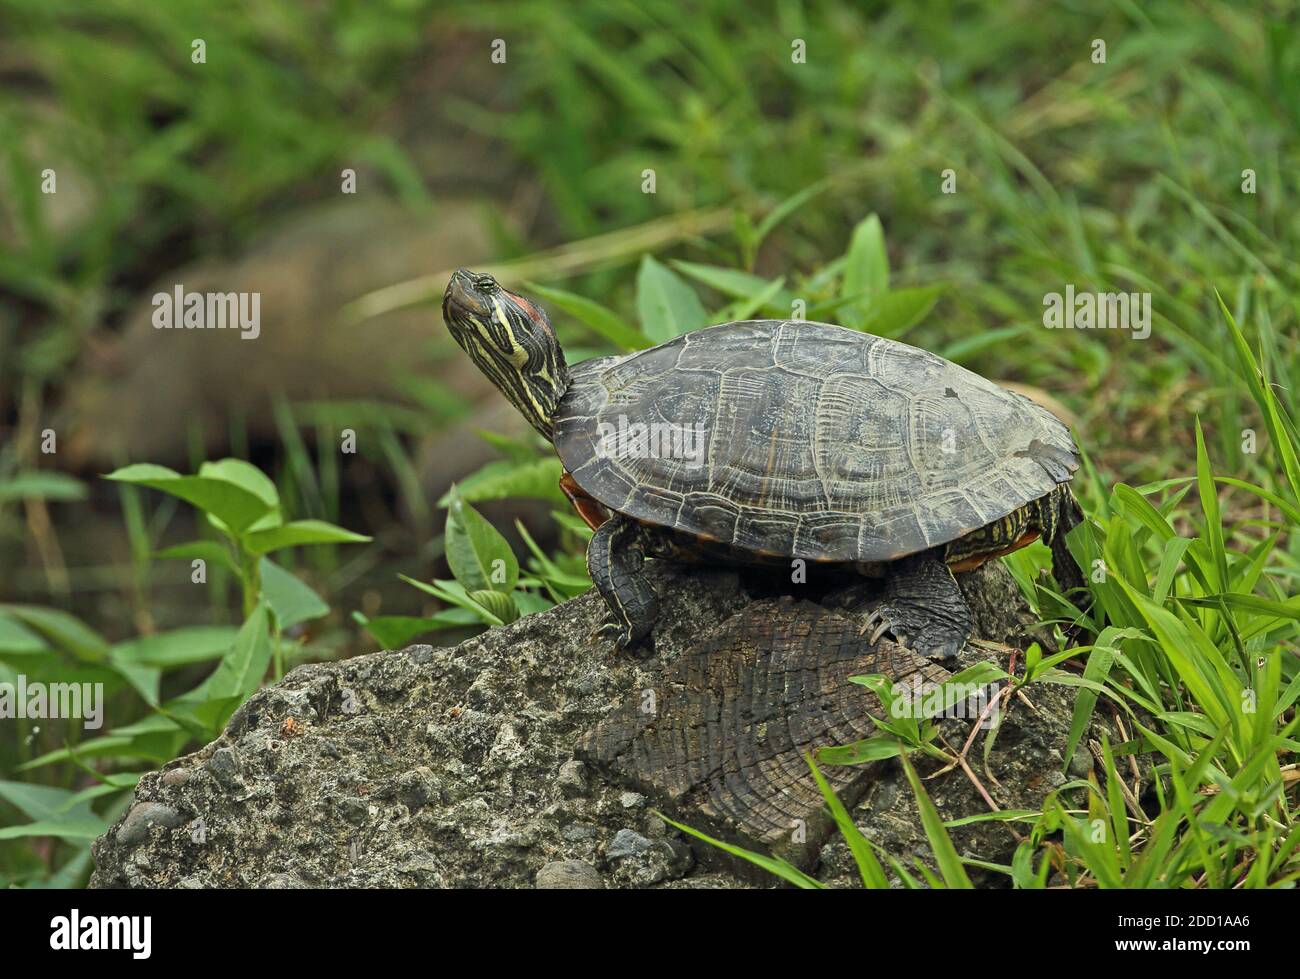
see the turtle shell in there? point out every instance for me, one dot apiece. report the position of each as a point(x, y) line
point(806, 440)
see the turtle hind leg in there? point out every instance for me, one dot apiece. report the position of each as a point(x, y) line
point(615, 559)
point(923, 608)
point(1065, 569)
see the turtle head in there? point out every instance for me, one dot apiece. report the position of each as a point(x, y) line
point(511, 341)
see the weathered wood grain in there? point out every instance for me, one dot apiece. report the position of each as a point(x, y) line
point(718, 739)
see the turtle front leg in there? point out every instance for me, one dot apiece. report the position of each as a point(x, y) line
point(923, 608)
point(615, 559)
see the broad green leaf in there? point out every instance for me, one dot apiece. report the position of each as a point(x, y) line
point(235, 506)
point(292, 601)
point(56, 812)
point(245, 475)
point(205, 709)
point(144, 679)
point(874, 748)
point(211, 551)
point(529, 603)
point(866, 268)
point(504, 479)
point(300, 532)
point(454, 593)
point(1022, 867)
point(42, 801)
point(62, 629)
point(64, 829)
point(179, 647)
point(500, 604)
point(155, 739)
point(478, 555)
point(735, 283)
point(514, 449)
point(667, 306)
point(897, 311)
point(902, 711)
point(240, 673)
point(396, 631)
point(16, 639)
point(41, 485)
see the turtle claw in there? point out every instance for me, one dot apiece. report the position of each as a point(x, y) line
point(621, 635)
point(923, 610)
point(881, 621)
point(932, 641)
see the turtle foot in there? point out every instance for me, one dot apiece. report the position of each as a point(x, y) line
point(622, 635)
point(928, 639)
point(923, 609)
point(615, 559)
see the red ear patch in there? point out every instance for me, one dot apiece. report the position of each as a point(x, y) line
point(534, 313)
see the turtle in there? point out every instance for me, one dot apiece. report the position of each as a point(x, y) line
point(780, 441)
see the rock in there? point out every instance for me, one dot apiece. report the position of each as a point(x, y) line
point(578, 832)
point(639, 861)
point(455, 767)
point(1081, 762)
point(628, 844)
point(281, 882)
point(668, 860)
point(224, 767)
point(134, 828)
point(415, 788)
point(568, 875)
point(632, 800)
point(572, 779)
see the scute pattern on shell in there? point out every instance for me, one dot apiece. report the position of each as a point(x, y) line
point(819, 442)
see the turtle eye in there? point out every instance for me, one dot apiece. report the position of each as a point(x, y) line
point(485, 283)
